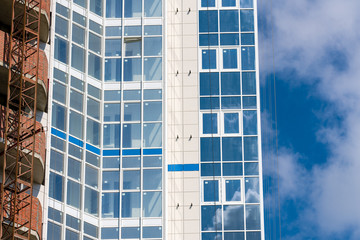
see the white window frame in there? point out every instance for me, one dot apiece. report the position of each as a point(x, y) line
point(240, 133)
point(220, 190)
point(216, 69)
point(219, 124)
point(221, 57)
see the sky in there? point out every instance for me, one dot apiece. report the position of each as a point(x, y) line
point(311, 48)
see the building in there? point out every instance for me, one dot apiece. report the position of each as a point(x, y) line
point(155, 130)
point(24, 50)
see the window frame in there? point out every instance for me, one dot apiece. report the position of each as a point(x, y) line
point(219, 125)
point(220, 186)
point(240, 115)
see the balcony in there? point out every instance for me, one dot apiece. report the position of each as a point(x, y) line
point(6, 13)
point(40, 150)
point(4, 72)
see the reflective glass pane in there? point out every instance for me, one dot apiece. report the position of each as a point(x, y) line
point(90, 229)
point(113, 8)
point(232, 190)
point(110, 205)
point(113, 47)
point(94, 66)
point(252, 190)
point(249, 102)
point(56, 186)
point(230, 83)
point(252, 217)
point(152, 111)
point(94, 91)
point(152, 30)
point(54, 231)
point(152, 232)
point(209, 103)
point(210, 124)
point(152, 161)
point(62, 10)
point(113, 31)
point(152, 69)
point(96, 6)
point(74, 168)
point(61, 50)
point(113, 70)
point(60, 75)
point(92, 159)
point(57, 161)
point(247, 20)
point(250, 122)
point(248, 83)
point(109, 233)
point(152, 135)
point(132, 31)
point(93, 108)
point(229, 16)
point(234, 236)
point(95, 43)
point(130, 204)
point(132, 95)
point(251, 168)
point(228, 3)
point(231, 102)
point(246, 3)
point(78, 18)
point(211, 235)
point(152, 46)
point(131, 180)
point(78, 58)
point(152, 94)
point(231, 149)
point(209, 83)
point(61, 26)
point(111, 162)
point(211, 218)
point(152, 179)
point(130, 233)
point(253, 235)
point(110, 180)
point(95, 27)
point(132, 8)
point(250, 149)
point(248, 58)
point(76, 122)
point(111, 136)
point(75, 151)
point(132, 69)
point(132, 112)
point(234, 217)
point(208, 21)
point(91, 176)
point(229, 39)
point(55, 215)
point(131, 162)
point(58, 116)
point(73, 194)
point(211, 191)
point(231, 123)
point(152, 204)
point(57, 143)
point(207, 3)
point(210, 169)
point(111, 112)
point(70, 235)
point(132, 46)
point(208, 40)
point(76, 100)
point(209, 59)
point(91, 205)
point(232, 169)
point(230, 59)
point(78, 35)
point(210, 149)
point(77, 83)
point(247, 39)
point(112, 95)
point(153, 8)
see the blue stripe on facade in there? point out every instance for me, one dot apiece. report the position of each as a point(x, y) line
point(183, 167)
point(156, 151)
point(111, 152)
point(76, 141)
point(93, 149)
point(128, 152)
point(58, 133)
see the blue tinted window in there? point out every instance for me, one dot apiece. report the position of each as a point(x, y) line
point(210, 149)
point(231, 123)
point(96, 7)
point(54, 231)
point(90, 229)
point(211, 191)
point(111, 162)
point(130, 204)
point(113, 47)
point(113, 8)
point(61, 50)
point(211, 235)
point(132, 31)
point(78, 18)
point(153, 8)
point(229, 39)
point(55, 215)
point(110, 205)
point(110, 180)
point(131, 162)
point(208, 21)
point(95, 27)
point(112, 31)
point(56, 186)
point(112, 95)
point(229, 16)
point(131, 111)
point(251, 168)
point(210, 169)
point(207, 3)
point(247, 20)
point(232, 169)
point(252, 217)
point(153, 30)
point(248, 83)
point(153, 68)
point(249, 102)
point(234, 236)
point(57, 161)
point(250, 122)
point(253, 235)
point(152, 232)
point(152, 179)
point(152, 46)
point(231, 149)
point(78, 58)
point(61, 26)
point(252, 190)
point(250, 149)
point(109, 233)
point(228, 3)
point(230, 102)
point(209, 103)
point(247, 39)
point(111, 112)
point(232, 190)
point(208, 40)
point(210, 123)
point(152, 94)
point(73, 222)
point(59, 116)
point(113, 70)
point(132, 94)
point(132, 69)
point(95, 43)
point(230, 59)
point(248, 58)
point(152, 135)
point(131, 180)
point(130, 232)
point(64, 11)
point(209, 59)
point(209, 83)
point(70, 235)
point(211, 218)
point(152, 111)
point(230, 83)
point(246, 3)
point(152, 161)
point(92, 201)
point(74, 168)
point(152, 204)
point(234, 218)
point(94, 66)
point(132, 8)
point(60, 75)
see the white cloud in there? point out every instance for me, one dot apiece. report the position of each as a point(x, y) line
point(318, 41)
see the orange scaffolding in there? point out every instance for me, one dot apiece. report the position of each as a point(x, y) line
point(20, 122)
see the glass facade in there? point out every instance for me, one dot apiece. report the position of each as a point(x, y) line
point(106, 157)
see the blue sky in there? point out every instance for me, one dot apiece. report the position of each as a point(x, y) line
point(317, 67)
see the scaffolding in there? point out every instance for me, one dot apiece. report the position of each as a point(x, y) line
point(20, 121)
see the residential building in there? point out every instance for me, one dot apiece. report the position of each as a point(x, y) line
point(155, 129)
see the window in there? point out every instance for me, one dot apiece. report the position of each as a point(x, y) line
point(210, 149)
point(152, 204)
point(131, 162)
point(234, 220)
point(91, 176)
point(210, 123)
point(95, 27)
point(113, 47)
point(229, 3)
point(113, 70)
point(78, 35)
point(152, 179)
point(250, 149)
point(211, 191)
point(250, 122)
point(112, 112)
point(95, 43)
point(110, 205)
point(210, 169)
point(153, 68)
point(207, 3)
point(211, 218)
point(229, 16)
point(248, 83)
point(112, 95)
point(113, 8)
point(59, 116)
point(230, 83)
point(91, 205)
point(61, 50)
point(113, 31)
point(56, 186)
point(76, 100)
point(152, 111)
point(73, 194)
point(78, 58)
point(61, 26)
point(231, 123)
point(246, 3)
point(94, 66)
point(152, 30)
point(208, 59)
point(93, 108)
point(152, 135)
point(132, 69)
point(232, 169)
point(152, 46)
point(90, 229)
point(132, 31)
point(57, 161)
point(248, 58)
point(152, 94)
point(208, 40)
point(252, 217)
point(76, 124)
point(109, 233)
point(249, 102)
point(252, 190)
point(78, 18)
point(232, 149)
point(247, 20)
point(74, 168)
point(132, 112)
point(111, 136)
point(208, 21)
point(132, 8)
point(130, 204)
point(130, 233)
point(111, 162)
point(96, 7)
point(110, 180)
point(232, 190)
point(230, 59)
point(153, 8)
point(54, 231)
point(131, 180)
point(247, 39)
point(229, 39)
point(209, 83)
point(152, 232)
